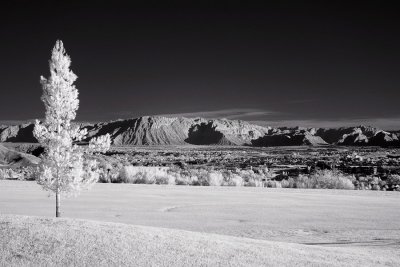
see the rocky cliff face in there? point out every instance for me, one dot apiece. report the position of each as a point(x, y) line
point(178, 131)
point(17, 133)
point(359, 136)
point(154, 130)
point(290, 137)
point(144, 131)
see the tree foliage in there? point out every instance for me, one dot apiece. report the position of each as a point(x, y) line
point(65, 166)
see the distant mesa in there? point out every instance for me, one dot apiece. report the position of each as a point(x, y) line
point(156, 130)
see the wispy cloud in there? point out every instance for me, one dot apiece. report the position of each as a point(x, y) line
point(235, 114)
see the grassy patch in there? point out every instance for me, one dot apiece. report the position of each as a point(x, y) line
point(40, 241)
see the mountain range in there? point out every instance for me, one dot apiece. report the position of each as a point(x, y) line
point(156, 130)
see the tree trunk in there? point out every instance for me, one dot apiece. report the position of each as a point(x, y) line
point(58, 212)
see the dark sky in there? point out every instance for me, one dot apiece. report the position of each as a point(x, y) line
point(329, 65)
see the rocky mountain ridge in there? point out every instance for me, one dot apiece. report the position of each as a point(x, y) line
point(155, 130)
point(10, 157)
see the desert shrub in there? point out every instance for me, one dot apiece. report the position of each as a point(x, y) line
point(393, 179)
point(104, 176)
point(174, 175)
point(184, 178)
point(190, 176)
point(273, 184)
point(200, 176)
point(22, 173)
point(169, 179)
point(363, 182)
point(268, 174)
point(382, 184)
point(110, 173)
point(328, 179)
point(252, 182)
point(215, 178)
point(292, 182)
point(363, 179)
point(303, 181)
point(114, 176)
point(234, 179)
point(376, 187)
point(207, 176)
point(251, 178)
point(344, 183)
point(145, 175)
point(375, 181)
point(285, 184)
point(28, 173)
point(128, 174)
point(8, 174)
point(3, 174)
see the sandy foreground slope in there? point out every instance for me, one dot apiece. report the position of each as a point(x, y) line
point(44, 241)
point(206, 226)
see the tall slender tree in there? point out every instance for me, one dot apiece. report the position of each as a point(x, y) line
point(65, 168)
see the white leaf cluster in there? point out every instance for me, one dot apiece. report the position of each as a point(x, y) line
point(64, 167)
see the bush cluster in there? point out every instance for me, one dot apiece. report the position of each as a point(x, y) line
point(392, 183)
point(145, 175)
point(325, 179)
point(178, 176)
point(209, 176)
point(24, 173)
point(8, 174)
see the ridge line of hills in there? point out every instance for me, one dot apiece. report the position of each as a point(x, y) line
point(157, 130)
